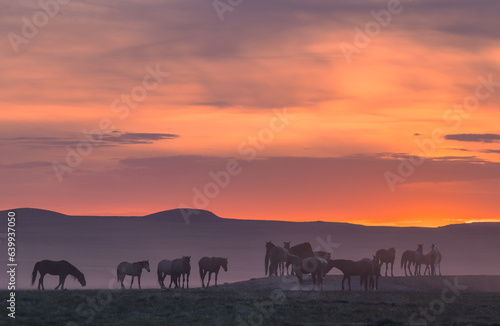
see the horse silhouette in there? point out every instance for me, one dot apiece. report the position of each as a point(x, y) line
point(362, 268)
point(309, 265)
point(61, 268)
point(286, 246)
point(302, 250)
point(436, 259)
point(164, 269)
point(411, 257)
point(387, 256)
point(132, 269)
point(275, 259)
point(374, 273)
point(181, 267)
point(211, 265)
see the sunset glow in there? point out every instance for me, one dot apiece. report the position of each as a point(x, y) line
point(129, 108)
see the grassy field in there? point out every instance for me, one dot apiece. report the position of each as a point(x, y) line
point(227, 306)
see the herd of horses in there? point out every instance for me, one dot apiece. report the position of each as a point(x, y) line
point(302, 259)
point(318, 263)
point(175, 268)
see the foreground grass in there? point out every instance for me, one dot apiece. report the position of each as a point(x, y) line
point(226, 306)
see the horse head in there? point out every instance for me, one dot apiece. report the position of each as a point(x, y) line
point(286, 245)
point(269, 246)
point(81, 279)
point(420, 247)
point(224, 264)
point(186, 260)
point(145, 264)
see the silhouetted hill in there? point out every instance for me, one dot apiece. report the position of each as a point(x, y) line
point(185, 215)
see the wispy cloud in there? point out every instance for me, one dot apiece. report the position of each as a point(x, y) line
point(480, 138)
point(113, 139)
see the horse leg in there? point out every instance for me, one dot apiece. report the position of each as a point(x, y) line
point(132, 282)
point(60, 282)
point(40, 281)
point(343, 279)
point(209, 277)
point(216, 274)
point(203, 278)
point(349, 282)
point(392, 268)
point(386, 266)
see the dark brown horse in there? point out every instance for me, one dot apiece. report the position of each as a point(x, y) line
point(275, 259)
point(181, 267)
point(310, 265)
point(387, 256)
point(211, 265)
point(411, 257)
point(132, 269)
point(362, 268)
point(303, 250)
point(61, 268)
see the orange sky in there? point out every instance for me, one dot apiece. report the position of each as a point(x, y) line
point(172, 94)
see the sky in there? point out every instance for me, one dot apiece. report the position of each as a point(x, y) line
point(370, 112)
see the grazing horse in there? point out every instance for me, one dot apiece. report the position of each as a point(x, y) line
point(275, 259)
point(411, 256)
point(132, 269)
point(181, 266)
point(164, 269)
point(386, 256)
point(437, 259)
point(362, 268)
point(310, 265)
point(211, 265)
point(61, 268)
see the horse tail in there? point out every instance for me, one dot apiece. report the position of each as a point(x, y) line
point(266, 261)
point(402, 260)
point(33, 275)
point(159, 275)
point(201, 271)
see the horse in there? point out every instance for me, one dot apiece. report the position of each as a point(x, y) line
point(386, 256)
point(362, 268)
point(61, 268)
point(309, 265)
point(428, 260)
point(164, 269)
point(303, 250)
point(275, 259)
point(132, 269)
point(374, 273)
point(181, 266)
point(286, 246)
point(211, 265)
point(437, 259)
point(411, 256)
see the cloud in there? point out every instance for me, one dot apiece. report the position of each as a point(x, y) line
point(480, 138)
point(116, 138)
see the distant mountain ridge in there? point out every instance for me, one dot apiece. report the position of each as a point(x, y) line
point(188, 215)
